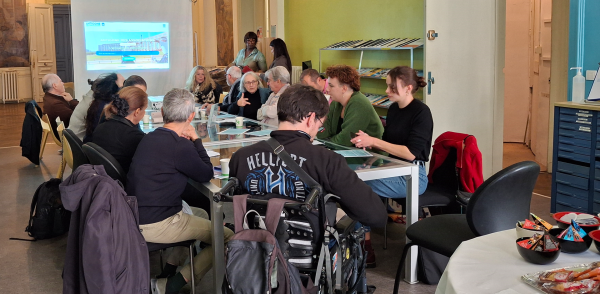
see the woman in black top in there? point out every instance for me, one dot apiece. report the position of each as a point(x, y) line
point(281, 57)
point(252, 96)
point(105, 87)
point(119, 135)
point(204, 88)
point(408, 131)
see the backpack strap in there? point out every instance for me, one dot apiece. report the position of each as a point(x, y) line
point(274, 209)
point(34, 201)
point(239, 212)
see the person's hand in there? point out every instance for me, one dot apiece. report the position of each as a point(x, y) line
point(368, 163)
point(67, 96)
point(243, 101)
point(362, 140)
point(189, 133)
point(205, 106)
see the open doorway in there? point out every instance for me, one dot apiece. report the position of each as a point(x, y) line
point(527, 80)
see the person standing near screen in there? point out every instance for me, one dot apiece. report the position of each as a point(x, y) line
point(251, 56)
point(281, 57)
point(204, 88)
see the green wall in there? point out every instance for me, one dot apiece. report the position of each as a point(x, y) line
point(314, 24)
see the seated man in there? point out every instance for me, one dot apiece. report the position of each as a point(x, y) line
point(301, 111)
point(311, 77)
point(232, 77)
point(57, 102)
point(163, 162)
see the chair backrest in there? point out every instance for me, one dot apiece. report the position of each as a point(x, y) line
point(445, 176)
point(59, 129)
point(503, 199)
point(99, 156)
point(75, 145)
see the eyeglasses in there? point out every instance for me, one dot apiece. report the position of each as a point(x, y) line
point(321, 129)
point(250, 83)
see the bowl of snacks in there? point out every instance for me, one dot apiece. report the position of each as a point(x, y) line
point(595, 235)
point(572, 239)
point(529, 228)
point(538, 249)
point(586, 221)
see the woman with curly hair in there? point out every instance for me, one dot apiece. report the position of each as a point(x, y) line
point(350, 110)
point(204, 88)
point(104, 88)
point(119, 134)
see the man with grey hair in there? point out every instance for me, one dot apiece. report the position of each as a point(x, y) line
point(57, 102)
point(233, 76)
point(163, 162)
point(278, 79)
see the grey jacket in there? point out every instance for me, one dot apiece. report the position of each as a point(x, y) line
point(106, 253)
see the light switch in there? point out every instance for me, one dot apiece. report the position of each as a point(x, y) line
point(590, 75)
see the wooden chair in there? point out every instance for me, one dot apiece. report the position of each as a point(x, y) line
point(46, 130)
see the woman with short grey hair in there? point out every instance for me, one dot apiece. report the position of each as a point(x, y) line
point(252, 96)
point(278, 79)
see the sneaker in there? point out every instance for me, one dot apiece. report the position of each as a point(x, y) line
point(159, 286)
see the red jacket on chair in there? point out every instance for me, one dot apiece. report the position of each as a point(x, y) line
point(468, 158)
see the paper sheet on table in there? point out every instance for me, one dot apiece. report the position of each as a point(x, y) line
point(223, 116)
point(315, 142)
point(212, 153)
point(260, 133)
point(233, 132)
point(353, 153)
point(226, 120)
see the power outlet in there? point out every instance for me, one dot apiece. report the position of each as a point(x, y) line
point(590, 75)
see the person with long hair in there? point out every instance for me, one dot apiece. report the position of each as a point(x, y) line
point(204, 88)
point(104, 89)
point(281, 57)
point(350, 110)
point(137, 81)
point(119, 134)
point(407, 135)
point(251, 56)
point(252, 96)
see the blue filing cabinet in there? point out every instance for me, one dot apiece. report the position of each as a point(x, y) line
point(576, 158)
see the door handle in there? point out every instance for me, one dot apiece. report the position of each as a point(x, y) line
point(431, 35)
point(430, 81)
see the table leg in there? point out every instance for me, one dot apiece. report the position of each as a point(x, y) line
point(216, 216)
point(412, 216)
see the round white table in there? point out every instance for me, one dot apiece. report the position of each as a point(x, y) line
point(491, 264)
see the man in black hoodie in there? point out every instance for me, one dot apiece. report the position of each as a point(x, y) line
point(301, 111)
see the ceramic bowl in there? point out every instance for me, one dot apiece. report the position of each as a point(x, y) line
point(571, 246)
point(537, 257)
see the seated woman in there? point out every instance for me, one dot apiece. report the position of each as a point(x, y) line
point(278, 79)
point(252, 96)
point(104, 90)
point(408, 131)
point(350, 110)
point(280, 55)
point(251, 56)
point(118, 135)
point(206, 91)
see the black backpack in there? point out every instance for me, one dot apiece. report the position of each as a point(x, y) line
point(47, 216)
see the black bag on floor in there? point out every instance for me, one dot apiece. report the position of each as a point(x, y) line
point(430, 266)
point(47, 216)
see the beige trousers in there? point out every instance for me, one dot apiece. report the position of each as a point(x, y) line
point(181, 227)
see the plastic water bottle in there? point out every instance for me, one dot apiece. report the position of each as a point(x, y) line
point(578, 94)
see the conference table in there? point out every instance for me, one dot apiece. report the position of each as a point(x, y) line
point(225, 145)
point(491, 264)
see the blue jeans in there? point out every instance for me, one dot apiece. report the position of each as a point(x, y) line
point(395, 187)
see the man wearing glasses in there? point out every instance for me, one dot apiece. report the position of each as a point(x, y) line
point(301, 111)
point(233, 81)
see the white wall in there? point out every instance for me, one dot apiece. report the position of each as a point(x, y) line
point(176, 12)
point(516, 86)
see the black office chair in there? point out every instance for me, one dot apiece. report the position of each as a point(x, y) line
point(496, 205)
point(75, 144)
point(189, 243)
point(441, 193)
point(98, 156)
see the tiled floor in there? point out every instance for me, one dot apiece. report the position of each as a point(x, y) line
point(35, 267)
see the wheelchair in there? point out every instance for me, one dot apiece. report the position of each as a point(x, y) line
point(327, 253)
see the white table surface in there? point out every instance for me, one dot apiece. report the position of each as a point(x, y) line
point(491, 264)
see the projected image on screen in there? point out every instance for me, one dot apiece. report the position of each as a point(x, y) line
point(126, 45)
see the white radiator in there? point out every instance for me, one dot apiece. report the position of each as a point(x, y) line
point(296, 72)
point(9, 86)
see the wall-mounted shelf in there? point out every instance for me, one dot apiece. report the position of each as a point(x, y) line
point(375, 45)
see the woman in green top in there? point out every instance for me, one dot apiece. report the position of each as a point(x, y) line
point(350, 110)
point(251, 56)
